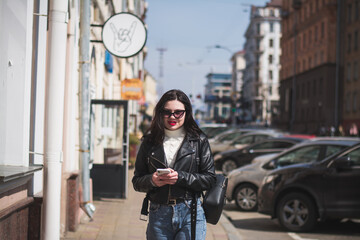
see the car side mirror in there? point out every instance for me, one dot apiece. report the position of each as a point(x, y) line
point(343, 162)
point(251, 150)
point(270, 165)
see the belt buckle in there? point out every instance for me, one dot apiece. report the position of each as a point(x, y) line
point(172, 202)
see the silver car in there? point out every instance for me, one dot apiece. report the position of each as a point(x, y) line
point(242, 140)
point(244, 182)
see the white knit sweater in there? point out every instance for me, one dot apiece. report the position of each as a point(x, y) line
point(172, 142)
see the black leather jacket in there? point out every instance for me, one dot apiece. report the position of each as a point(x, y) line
point(192, 177)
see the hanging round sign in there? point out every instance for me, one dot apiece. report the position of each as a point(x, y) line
point(124, 35)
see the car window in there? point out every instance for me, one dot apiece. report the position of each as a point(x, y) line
point(302, 155)
point(231, 136)
point(283, 144)
point(261, 137)
point(355, 157)
point(244, 140)
point(270, 145)
point(265, 145)
point(330, 150)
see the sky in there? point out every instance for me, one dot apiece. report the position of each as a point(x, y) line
point(189, 30)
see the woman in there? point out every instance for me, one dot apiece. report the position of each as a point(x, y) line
point(175, 142)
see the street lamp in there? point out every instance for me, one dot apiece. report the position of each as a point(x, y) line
point(222, 47)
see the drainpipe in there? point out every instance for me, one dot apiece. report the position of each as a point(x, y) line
point(54, 109)
point(337, 77)
point(88, 207)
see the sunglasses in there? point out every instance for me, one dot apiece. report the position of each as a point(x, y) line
point(177, 114)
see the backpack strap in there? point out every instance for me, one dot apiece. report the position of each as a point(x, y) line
point(193, 209)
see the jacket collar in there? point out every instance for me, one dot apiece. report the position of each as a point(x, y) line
point(185, 149)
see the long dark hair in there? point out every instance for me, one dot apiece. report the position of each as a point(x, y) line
point(156, 132)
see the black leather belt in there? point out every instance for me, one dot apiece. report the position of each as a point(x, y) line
point(174, 201)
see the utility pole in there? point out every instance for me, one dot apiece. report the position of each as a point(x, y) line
point(161, 69)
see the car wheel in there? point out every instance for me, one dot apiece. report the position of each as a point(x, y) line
point(228, 165)
point(297, 212)
point(246, 197)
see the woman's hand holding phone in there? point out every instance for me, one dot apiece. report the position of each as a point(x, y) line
point(164, 176)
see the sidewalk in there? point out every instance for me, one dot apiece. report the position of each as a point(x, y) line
point(119, 219)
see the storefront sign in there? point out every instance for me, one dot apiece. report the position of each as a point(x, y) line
point(131, 89)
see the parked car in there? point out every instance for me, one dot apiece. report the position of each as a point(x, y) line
point(228, 136)
point(242, 141)
point(229, 160)
point(244, 182)
point(300, 194)
point(213, 130)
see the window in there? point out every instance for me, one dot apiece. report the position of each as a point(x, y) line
point(356, 39)
point(257, 44)
point(270, 58)
point(316, 33)
point(356, 71)
point(272, 14)
point(224, 111)
point(322, 30)
point(356, 13)
point(355, 157)
point(348, 75)
point(271, 27)
point(304, 40)
point(303, 155)
point(330, 150)
point(271, 43)
point(349, 43)
point(321, 57)
point(348, 98)
point(310, 36)
point(349, 13)
point(320, 86)
point(244, 140)
point(271, 145)
point(270, 74)
point(354, 100)
point(258, 28)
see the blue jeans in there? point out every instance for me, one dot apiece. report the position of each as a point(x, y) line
point(174, 222)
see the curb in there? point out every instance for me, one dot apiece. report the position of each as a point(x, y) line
point(232, 232)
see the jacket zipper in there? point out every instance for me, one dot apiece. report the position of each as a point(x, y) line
point(157, 161)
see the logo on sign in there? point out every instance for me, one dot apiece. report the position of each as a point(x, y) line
point(124, 35)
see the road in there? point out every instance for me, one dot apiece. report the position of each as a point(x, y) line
point(255, 226)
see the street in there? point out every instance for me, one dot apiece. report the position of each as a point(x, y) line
point(254, 226)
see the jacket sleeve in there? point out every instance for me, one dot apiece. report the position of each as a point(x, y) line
point(205, 178)
point(142, 177)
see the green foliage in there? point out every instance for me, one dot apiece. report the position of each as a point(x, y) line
point(133, 139)
point(134, 142)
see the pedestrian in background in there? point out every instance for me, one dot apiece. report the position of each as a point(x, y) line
point(174, 142)
point(353, 131)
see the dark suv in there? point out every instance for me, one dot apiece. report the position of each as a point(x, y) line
point(299, 195)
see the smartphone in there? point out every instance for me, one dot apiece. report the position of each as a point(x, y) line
point(161, 171)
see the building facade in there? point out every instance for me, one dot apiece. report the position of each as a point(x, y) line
point(308, 79)
point(238, 66)
point(350, 60)
point(262, 56)
point(218, 97)
point(25, 43)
